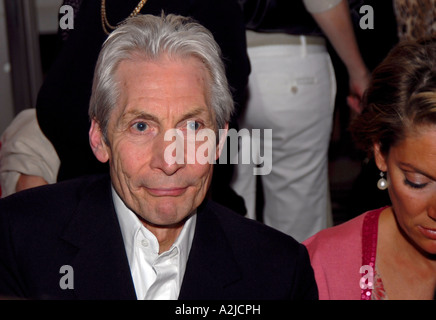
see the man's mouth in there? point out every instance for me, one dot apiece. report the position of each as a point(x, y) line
point(167, 192)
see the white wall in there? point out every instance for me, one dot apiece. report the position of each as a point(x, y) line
point(47, 18)
point(48, 15)
point(6, 102)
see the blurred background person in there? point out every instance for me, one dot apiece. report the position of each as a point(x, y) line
point(292, 90)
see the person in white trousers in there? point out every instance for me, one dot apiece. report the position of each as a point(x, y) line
point(292, 91)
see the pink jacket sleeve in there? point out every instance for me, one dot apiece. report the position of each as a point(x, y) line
point(336, 257)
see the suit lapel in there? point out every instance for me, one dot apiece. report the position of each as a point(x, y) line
point(211, 265)
point(101, 268)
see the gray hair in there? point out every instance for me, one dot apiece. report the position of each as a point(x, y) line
point(153, 37)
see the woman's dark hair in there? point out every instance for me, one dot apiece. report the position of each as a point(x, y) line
point(401, 96)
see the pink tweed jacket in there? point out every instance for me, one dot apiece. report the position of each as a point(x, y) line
point(338, 253)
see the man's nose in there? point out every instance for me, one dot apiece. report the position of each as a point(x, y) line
point(168, 153)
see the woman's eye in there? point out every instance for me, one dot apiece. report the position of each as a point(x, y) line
point(140, 126)
point(415, 181)
point(414, 185)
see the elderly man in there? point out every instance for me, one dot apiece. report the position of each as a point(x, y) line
point(148, 232)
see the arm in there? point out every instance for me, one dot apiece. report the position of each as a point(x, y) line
point(27, 158)
point(336, 24)
point(29, 181)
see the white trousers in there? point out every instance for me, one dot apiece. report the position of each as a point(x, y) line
point(292, 90)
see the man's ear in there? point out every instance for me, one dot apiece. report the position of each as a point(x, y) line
point(379, 157)
point(222, 140)
point(97, 142)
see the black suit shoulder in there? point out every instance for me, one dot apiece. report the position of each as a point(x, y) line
point(242, 230)
point(272, 262)
point(33, 239)
point(51, 204)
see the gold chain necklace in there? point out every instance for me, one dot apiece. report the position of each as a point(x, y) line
point(105, 23)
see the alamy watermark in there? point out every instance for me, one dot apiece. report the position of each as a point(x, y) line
point(242, 147)
point(367, 279)
point(67, 280)
point(67, 20)
point(367, 20)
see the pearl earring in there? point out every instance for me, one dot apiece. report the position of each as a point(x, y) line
point(382, 183)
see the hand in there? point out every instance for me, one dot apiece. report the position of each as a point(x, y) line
point(358, 85)
point(26, 182)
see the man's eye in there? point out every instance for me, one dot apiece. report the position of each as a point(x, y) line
point(140, 126)
point(193, 125)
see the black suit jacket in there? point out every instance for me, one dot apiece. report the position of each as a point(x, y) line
point(75, 224)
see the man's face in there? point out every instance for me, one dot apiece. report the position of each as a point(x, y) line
point(157, 97)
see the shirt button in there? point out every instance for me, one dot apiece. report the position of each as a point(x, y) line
point(144, 243)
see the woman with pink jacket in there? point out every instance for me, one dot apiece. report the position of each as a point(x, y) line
point(390, 253)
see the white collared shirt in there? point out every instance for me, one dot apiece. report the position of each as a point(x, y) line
point(155, 276)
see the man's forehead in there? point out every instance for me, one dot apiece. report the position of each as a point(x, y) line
point(153, 104)
point(185, 73)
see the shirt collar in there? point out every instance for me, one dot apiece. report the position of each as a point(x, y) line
point(130, 225)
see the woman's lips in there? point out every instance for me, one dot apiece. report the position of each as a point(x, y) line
point(167, 192)
point(429, 233)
